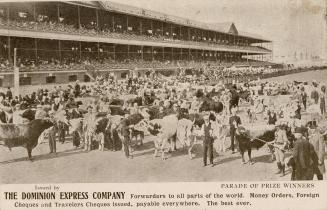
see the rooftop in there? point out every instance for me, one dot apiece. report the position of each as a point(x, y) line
point(226, 27)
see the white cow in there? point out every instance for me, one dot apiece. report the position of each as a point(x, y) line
point(185, 135)
point(167, 128)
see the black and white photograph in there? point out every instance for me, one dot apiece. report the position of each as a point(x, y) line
point(155, 91)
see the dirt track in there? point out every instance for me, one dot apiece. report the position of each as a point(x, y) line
point(95, 166)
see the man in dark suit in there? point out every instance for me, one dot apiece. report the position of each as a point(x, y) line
point(208, 141)
point(234, 122)
point(304, 156)
point(125, 137)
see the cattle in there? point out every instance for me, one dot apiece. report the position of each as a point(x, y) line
point(117, 110)
point(137, 100)
point(116, 102)
point(138, 134)
point(29, 114)
point(165, 130)
point(245, 95)
point(209, 104)
point(24, 135)
point(153, 112)
point(262, 134)
point(3, 117)
point(185, 136)
point(76, 129)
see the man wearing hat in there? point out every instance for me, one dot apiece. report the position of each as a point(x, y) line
point(234, 122)
point(280, 144)
point(89, 127)
point(314, 93)
point(124, 135)
point(17, 118)
point(304, 156)
point(208, 140)
point(40, 113)
point(316, 139)
point(52, 135)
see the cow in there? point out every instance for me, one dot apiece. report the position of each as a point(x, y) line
point(209, 104)
point(138, 134)
point(29, 114)
point(165, 130)
point(25, 135)
point(185, 135)
point(137, 100)
point(76, 130)
point(117, 110)
point(244, 95)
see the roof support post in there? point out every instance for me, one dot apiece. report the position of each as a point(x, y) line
point(79, 17)
point(152, 53)
point(189, 33)
point(80, 50)
point(9, 50)
point(189, 54)
point(59, 50)
point(152, 26)
point(35, 45)
point(98, 50)
point(114, 48)
point(142, 54)
point(127, 23)
point(113, 23)
point(97, 17)
point(58, 12)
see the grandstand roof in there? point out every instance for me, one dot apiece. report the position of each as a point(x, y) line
point(228, 27)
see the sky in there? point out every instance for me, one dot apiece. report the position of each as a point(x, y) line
point(292, 25)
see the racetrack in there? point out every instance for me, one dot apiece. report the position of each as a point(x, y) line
point(76, 166)
point(309, 76)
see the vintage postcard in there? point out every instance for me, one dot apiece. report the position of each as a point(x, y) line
point(152, 104)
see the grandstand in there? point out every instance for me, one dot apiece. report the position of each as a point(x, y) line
point(60, 42)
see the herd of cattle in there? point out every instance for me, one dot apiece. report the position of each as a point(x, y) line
point(182, 127)
point(169, 128)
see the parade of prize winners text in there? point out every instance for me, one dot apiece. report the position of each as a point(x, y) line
point(119, 199)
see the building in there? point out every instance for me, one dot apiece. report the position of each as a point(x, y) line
point(60, 42)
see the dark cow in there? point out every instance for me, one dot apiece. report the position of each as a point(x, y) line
point(269, 136)
point(154, 112)
point(3, 117)
point(29, 114)
point(12, 135)
point(209, 104)
point(149, 99)
point(118, 110)
point(245, 95)
point(137, 100)
point(116, 102)
point(197, 119)
point(134, 119)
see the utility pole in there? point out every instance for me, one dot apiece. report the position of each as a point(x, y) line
point(16, 74)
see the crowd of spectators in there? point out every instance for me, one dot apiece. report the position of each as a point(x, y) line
point(117, 33)
point(214, 69)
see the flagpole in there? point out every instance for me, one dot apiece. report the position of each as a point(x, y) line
point(16, 74)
